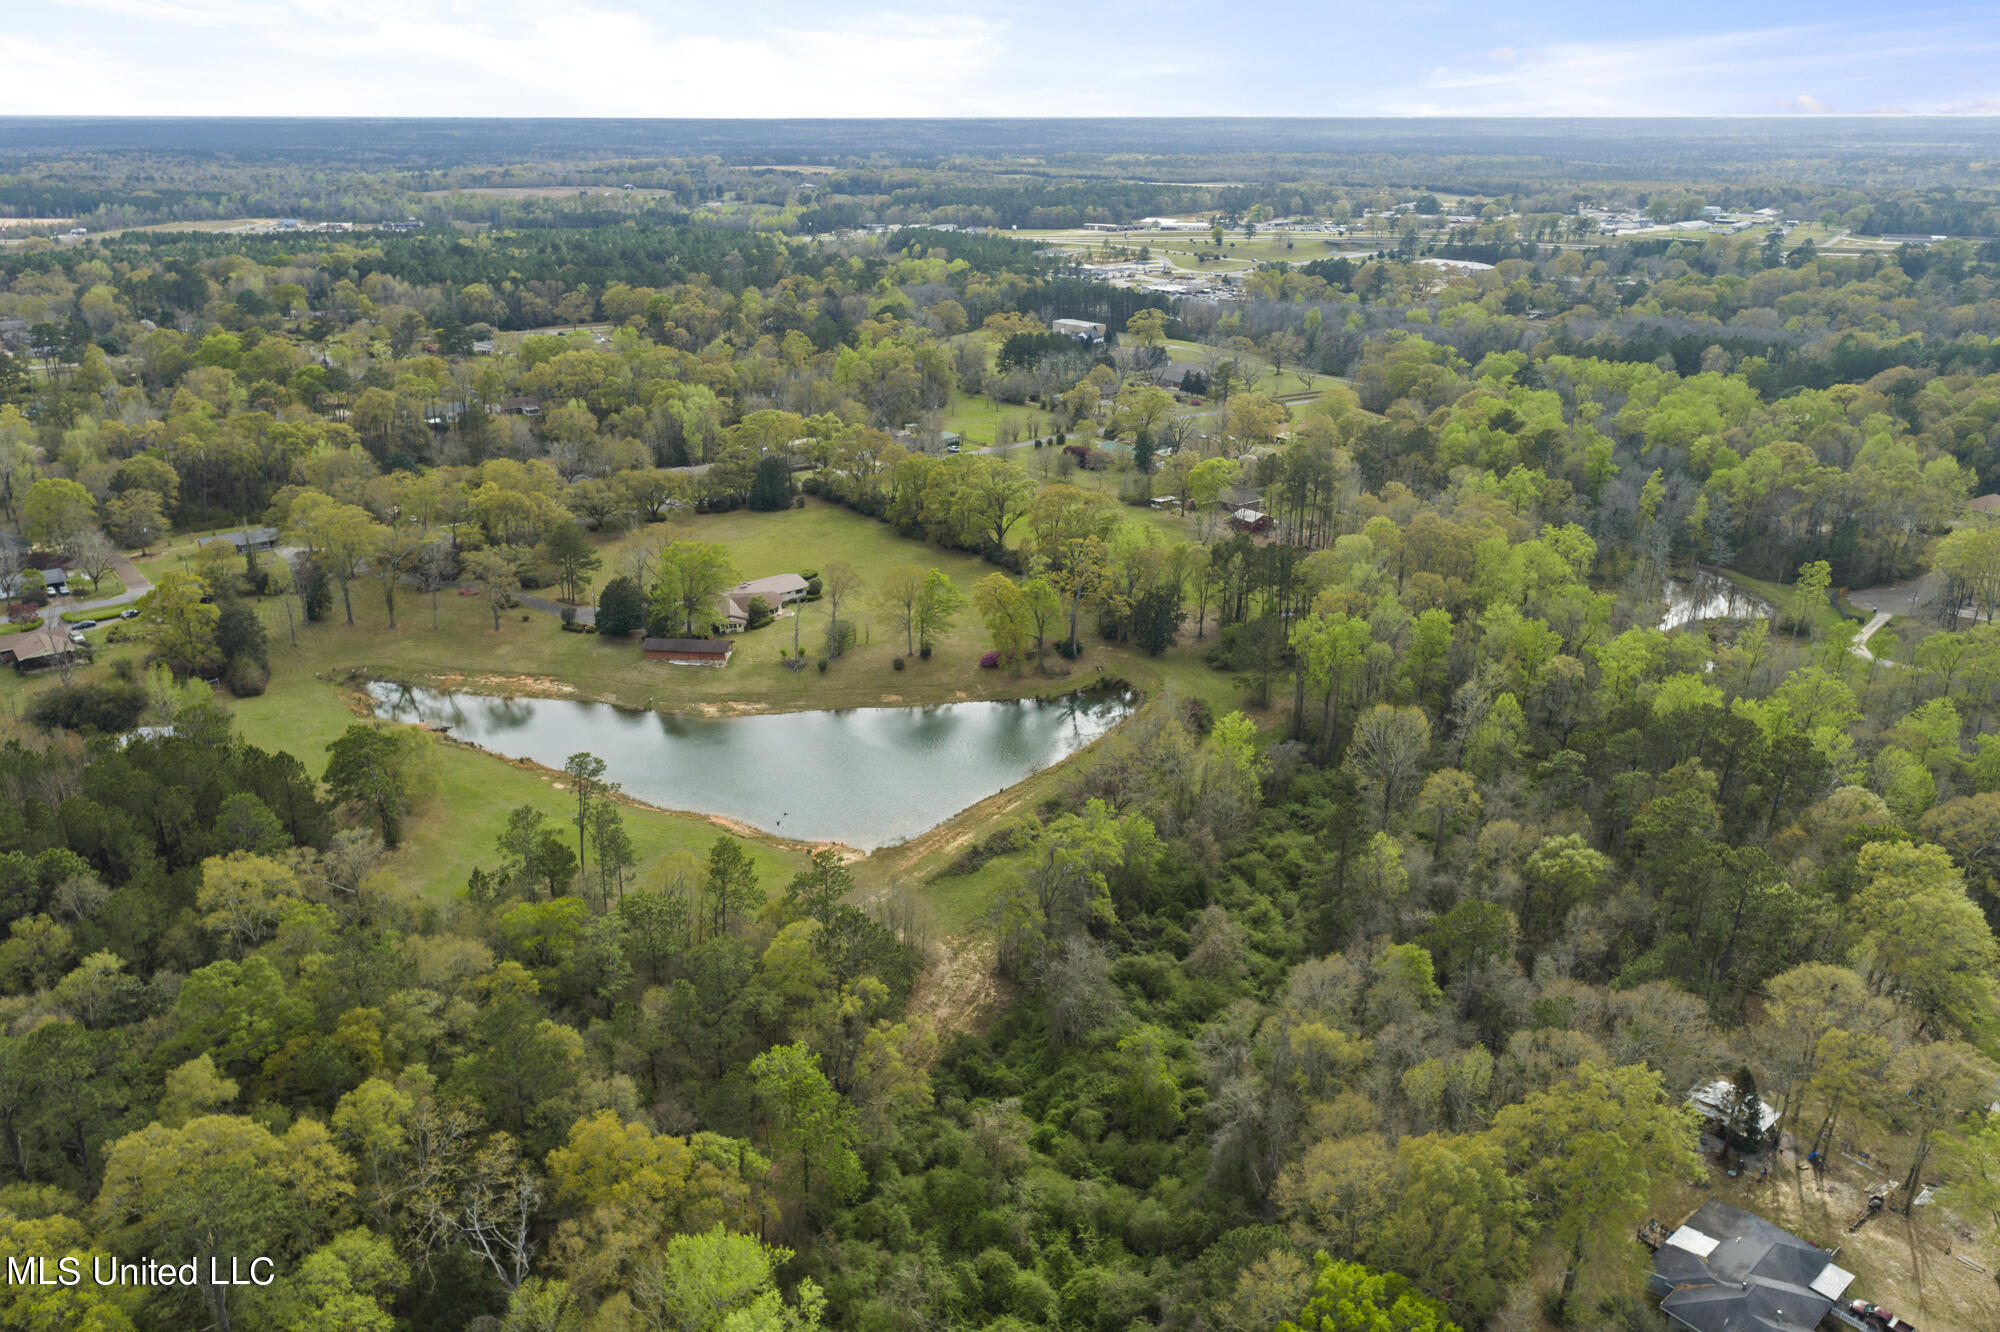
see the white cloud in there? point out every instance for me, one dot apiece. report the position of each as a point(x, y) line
point(1708, 74)
point(514, 57)
point(41, 76)
point(675, 58)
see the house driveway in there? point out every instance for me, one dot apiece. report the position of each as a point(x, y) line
point(136, 585)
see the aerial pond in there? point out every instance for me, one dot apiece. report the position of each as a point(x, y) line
point(1710, 596)
point(864, 777)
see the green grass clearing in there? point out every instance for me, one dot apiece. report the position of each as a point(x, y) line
point(1785, 597)
point(305, 707)
point(459, 827)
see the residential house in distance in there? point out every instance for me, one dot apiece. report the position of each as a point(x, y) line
point(1986, 506)
point(1727, 1270)
point(55, 580)
point(1250, 520)
point(777, 590)
point(250, 538)
point(690, 651)
point(917, 439)
point(1082, 329)
point(40, 648)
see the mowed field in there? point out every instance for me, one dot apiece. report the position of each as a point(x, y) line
point(1196, 253)
point(315, 691)
point(544, 191)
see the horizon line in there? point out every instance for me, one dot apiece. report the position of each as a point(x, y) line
point(1803, 117)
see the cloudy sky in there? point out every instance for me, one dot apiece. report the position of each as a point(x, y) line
point(994, 57)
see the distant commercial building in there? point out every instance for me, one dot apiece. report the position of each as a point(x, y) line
point(1085, 329)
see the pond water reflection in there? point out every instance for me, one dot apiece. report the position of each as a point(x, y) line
point(865, 777)
point(1710, 596)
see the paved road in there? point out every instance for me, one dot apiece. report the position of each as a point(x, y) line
point(1895, 598)
point(1860, 644)
point(584, 614)
point(1905, 598)
point(136, 585)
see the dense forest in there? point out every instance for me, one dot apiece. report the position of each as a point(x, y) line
point(1367, 1000)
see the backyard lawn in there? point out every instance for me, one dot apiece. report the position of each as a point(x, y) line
point(459, 827)
point(529, 654)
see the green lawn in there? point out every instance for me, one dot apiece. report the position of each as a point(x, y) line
point(176, 555)
point(1262, 378)
point(109, 586)
point(1185, 249)
point(977, 418)
point(308, 702)
point(794, 541)
point(459, 827)
point(1784, 597)
point(530, 654)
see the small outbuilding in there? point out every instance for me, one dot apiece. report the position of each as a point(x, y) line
point(1717, 1102)
point(250, 538)
point(690, 651)
point(1250, 520)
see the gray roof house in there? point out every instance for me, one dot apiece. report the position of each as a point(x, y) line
point(1728, 1270)
point(777, 590)
point(46, 645)
point(54, 580)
